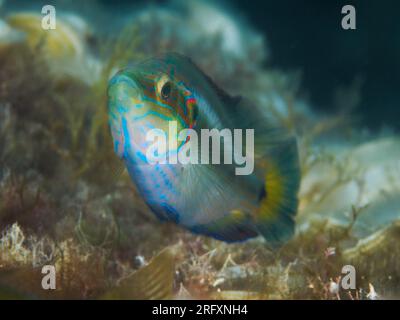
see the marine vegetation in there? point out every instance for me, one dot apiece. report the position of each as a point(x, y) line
point(65, 201)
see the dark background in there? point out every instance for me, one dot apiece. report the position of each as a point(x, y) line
point(307, 34)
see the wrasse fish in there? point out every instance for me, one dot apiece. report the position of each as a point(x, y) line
point(208, 199)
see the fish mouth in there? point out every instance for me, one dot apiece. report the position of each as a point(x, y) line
point(124, 94)
point(124, 97)
point(123, 84)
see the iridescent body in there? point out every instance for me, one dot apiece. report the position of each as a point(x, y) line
point(207, 199)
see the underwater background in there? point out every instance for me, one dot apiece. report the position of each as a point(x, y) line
point(63, 203)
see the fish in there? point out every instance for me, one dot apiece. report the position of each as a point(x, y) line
point(209, 199)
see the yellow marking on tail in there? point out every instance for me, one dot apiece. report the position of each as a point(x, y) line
point(274, 189)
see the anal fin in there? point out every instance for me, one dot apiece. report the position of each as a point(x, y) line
point(234, 227)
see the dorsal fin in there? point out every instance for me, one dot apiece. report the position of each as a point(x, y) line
point(225, 97)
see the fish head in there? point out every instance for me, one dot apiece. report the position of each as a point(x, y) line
point(148, 96)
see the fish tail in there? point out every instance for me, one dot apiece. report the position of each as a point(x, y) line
point(278, 199)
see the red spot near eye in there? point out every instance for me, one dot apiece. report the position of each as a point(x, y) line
point(190, 101)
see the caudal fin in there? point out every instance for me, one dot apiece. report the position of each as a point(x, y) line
point(278, 199)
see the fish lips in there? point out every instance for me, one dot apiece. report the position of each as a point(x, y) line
point(124, 98)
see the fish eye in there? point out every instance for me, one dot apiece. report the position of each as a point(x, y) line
point(166, 90)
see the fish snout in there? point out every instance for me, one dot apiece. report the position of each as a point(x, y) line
point(124, 89)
